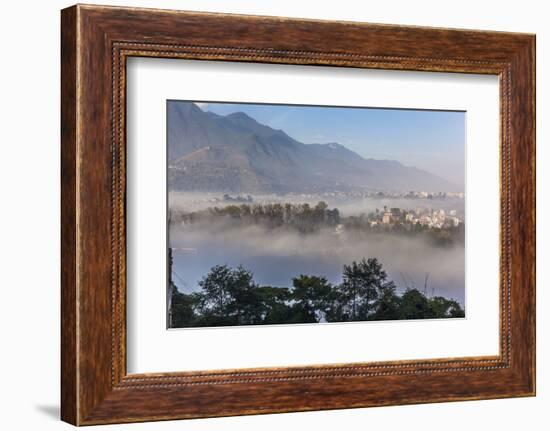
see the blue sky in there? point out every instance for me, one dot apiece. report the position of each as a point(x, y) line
point(430, 140)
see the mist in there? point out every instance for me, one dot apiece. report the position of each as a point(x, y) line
point(275, 256)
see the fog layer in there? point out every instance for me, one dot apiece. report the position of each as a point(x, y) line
point(276, 256)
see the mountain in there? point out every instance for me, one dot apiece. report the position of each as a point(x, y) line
point(237, 154)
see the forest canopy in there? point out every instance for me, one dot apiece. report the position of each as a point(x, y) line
point(230, 296)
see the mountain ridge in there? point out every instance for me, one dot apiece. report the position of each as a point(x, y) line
point(236, 153)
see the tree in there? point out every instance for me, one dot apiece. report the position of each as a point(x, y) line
point(216, 289)
point(338, 310)
point(361, 286)
point(333, 217)
point(227, 296)
point(230, 296)
point(182, 309)
point(245, 211)
point(319, 213)
point(232, 211)
point(414, 305)
point(244, 306)
point(311, 296)
point(303, 219)
point(442, 307)
point(388, 304)
point(274, 304)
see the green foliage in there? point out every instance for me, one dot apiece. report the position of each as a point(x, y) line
point(229, 296)
point(307, 219)
point(388, 304)
point(414, 305)
point(443, 307)
point(183, 308)
point(301, 217)
point(311, 297)
point(361, 286)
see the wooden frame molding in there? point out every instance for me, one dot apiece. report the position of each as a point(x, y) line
point(95, 43)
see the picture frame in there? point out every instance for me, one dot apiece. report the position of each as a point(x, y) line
point(96, 42)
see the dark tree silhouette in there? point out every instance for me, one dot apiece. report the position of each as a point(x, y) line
point(414, 305)
point(387, 307)
point(311, 295)
point(443, 307)
point(183, 308)
point(230, 296)
point(362, 284)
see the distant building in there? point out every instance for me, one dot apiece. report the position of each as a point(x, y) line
point(455, 221)
point(459, 195)
point(439, 216)
point(426, 220)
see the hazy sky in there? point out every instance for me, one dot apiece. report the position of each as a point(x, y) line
point(430, 140)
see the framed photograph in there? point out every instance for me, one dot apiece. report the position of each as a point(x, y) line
point(265, 215)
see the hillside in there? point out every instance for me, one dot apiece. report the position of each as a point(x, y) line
point(235, 153)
